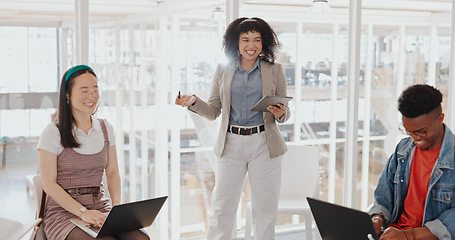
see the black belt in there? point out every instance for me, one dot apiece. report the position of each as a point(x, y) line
point(246, 131)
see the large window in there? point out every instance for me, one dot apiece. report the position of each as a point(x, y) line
point(166, 150)
point(29, 59)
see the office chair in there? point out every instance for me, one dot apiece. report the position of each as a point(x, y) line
point(299, 179)
point(14, 230)
point(38, 187)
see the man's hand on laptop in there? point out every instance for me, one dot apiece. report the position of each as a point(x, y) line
point(392, 233)
point(94, 217)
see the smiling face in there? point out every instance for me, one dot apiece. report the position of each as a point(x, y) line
point(250, 45)
point(84, 94)
point(427, 130)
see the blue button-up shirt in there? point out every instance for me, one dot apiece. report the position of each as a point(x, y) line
point(246, 91)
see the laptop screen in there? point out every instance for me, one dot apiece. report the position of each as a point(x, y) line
point(341, 223)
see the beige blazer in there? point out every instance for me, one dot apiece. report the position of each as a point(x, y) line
point(219, 102)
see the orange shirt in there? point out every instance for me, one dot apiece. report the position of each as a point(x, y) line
point(414, 204)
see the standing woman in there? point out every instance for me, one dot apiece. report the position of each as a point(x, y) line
point(73, 154)
point(248, 141)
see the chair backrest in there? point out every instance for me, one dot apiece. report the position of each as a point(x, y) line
point(38, 188)
point(105, 188)
point(300, 173)
point(38, 193)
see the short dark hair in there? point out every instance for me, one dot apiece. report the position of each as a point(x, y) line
point(245, 25)
point(419, 99)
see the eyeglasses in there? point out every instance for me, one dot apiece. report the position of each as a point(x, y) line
point(84, 91)
point(419, 133)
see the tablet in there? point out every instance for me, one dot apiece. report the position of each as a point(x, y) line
point(261, 106)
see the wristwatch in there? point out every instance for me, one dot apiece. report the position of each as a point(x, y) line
point(82, 210)
point(378, 216)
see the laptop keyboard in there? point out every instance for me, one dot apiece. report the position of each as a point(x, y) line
point(94, 228)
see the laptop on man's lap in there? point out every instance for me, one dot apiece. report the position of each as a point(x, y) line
point(125, 218)
point(336, 222)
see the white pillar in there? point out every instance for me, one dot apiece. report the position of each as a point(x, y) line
point(64, 50)
point(401, 62)
point(82, 21)
point(132, 103)
point(161, 148)
point(366, 121)
point(144, 121)
point(119, 137)
point(232, 11)
point(298, 82)
point(350, 169)
point(451, 91)
point(175, 137)
point(333, 118)
point(433, 55)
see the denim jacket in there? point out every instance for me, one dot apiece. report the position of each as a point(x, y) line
point(439, 211)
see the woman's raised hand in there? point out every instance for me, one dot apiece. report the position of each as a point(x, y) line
point(185, 100)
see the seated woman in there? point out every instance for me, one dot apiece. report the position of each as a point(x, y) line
point(73, 154)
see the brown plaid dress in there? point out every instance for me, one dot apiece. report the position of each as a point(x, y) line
point(76, 170)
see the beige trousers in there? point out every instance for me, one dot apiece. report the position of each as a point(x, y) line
point(242, 155)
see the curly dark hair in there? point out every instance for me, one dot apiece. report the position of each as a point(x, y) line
point(419, 99)
point(239, 26)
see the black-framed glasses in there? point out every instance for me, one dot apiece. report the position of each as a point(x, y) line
point(419, 133)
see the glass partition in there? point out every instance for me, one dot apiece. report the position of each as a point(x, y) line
point(165, 149)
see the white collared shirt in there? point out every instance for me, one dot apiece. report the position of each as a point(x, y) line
point(91, 143)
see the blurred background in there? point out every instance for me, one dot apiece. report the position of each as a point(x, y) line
point(145, 51)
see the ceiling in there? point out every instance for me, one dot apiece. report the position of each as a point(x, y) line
point(60, 12)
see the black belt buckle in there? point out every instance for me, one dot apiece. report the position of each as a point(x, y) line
point(244, 131)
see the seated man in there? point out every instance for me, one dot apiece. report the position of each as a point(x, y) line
point(414, 196)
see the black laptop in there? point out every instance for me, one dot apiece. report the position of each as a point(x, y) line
point(125, 217)
point(336, 222)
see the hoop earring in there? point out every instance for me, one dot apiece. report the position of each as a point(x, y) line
point(261, 55)
point(67, 101)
